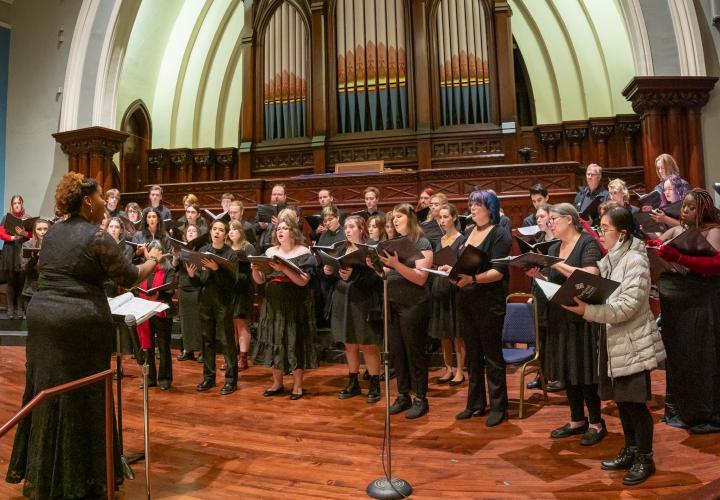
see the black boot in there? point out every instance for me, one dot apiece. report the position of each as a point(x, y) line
point(623, 460)
point(419, 408)
point(352, 389)
point(373, 395)
point(402, 403)
point(642, 468)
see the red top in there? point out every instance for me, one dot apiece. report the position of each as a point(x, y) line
point(8, 237)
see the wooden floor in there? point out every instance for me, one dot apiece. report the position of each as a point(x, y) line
point(244, 446)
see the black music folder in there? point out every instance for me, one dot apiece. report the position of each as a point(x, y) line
point(673, 210)
point(422, 214)
point(471, 261)
point(265, 213)
point(648, 226)
point(263, 262)
point(652, 198)
point(224, 216)
point(352, 259)
point(432, 230)
point(172, 285)
point(445, 257)
point(691, 242)
point(194, 257)
point(589, 288)
point(590, 210)
point(28, 252)
point(528, 260)
point(541, 247)
point(314, 221)
point(11, 222)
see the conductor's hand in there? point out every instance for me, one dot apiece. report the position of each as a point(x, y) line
point(191, 269)
point(445, 268)
point(155, 252)
point(345, 273)
point(209, 264)
point(390, 260)
point(320, 229)
point(141, 250)
point(328, 270)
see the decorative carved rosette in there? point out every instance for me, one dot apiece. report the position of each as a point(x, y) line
point(550, 138)
point(601, 133)
point(575, 135)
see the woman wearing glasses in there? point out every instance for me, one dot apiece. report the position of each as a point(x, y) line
point(571, 347)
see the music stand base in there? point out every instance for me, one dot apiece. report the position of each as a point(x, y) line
point(127, 470)
point(381, 489)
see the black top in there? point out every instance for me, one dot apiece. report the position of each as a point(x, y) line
point(497, 245)
point(586, 253)
point(161, 209)
point(584, 196)
point(530, 220)
point(403, 291)
point(220, 281)
point(146, 237)
point(328, 237)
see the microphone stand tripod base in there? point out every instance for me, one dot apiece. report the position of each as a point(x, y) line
point(382, 489)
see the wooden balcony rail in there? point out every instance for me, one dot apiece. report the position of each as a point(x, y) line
point(70, 386)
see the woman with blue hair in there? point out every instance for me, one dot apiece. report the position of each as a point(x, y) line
point(481, 299)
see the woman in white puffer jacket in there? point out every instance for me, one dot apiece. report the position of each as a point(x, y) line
point(632, 346)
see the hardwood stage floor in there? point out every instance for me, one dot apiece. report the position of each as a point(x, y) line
point(245, 446)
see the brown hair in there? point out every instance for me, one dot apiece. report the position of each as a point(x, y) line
point(237, 225)
point(671, 166)
point(190, 199)
point(360, 223)
point(112, 193)
point(227, 196)
point(71, 190)
point(380, 223)
point(371, 189)
point(290, 218)
point(414, 231)
point(155, 187)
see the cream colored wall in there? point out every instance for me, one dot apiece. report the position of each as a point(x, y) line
point(577, 54)
point(194, 90)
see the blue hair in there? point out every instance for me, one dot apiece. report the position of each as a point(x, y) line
point(489, 201)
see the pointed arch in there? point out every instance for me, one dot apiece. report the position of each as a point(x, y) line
point(136, 121)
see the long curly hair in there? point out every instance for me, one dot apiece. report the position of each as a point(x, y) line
point(71, 190)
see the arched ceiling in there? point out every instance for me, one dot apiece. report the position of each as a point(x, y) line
point(577, 54)
point(183, 61)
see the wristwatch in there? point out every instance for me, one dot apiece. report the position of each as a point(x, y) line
point(474, 279)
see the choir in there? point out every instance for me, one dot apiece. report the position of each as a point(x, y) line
point(594, 352)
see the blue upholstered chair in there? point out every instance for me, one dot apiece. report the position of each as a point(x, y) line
point(521, 327)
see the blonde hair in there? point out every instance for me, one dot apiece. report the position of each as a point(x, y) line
point(443, 201)
point(290, 218)
point(619, 186)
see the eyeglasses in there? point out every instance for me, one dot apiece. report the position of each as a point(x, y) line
point(551, 220)
point(600, 231)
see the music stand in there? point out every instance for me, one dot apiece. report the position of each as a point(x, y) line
point(387, 487)
point(124, 460)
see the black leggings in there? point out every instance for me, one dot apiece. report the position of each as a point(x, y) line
point(637, 425)
point(15, 300)
point(580, 396)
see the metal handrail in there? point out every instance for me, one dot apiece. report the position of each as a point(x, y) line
point(109, 405)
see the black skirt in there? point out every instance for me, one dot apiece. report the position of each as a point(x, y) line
point(572, 348)
point(633, 388)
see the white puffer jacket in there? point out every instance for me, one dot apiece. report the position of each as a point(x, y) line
point(633, 340)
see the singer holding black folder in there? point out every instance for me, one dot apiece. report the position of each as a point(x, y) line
point(286, 330)
point(10, 258)
point(355, 314)
point(59, 449)
point(444, 317)
point(571, 346)
point(632, 346)
point(409, 312)
point(481, 299)
point(690, 307)
point(216, 299)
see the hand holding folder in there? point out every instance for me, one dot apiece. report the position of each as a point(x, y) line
point(587, 287)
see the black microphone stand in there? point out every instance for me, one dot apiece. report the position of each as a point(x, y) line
point(387, 487)
point(124, 462)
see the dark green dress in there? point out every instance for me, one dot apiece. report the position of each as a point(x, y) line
point(286, 330)
point(444, 316)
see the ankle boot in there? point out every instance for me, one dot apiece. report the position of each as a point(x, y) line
point(373, 395)
point(352, 389)
point(242, 361)
point(623, 460)
point(642, 468)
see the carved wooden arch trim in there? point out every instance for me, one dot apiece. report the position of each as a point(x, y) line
point(331, 58)
point(265, 12)
point(137, 105)
point(494, 114)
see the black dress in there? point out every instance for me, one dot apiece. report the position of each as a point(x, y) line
point(690, 333)
point(286, 330)
point(244, 289)
point(356, 307)
point(189, 310)
point(444, 317)
point(60, 449)
point(572, 342)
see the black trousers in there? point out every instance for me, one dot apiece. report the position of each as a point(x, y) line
point(216, 319)
point(407, 337)
point(15, 299)
point(162, 329)
point(482, 331)
point(580, 396)
point(637, 424)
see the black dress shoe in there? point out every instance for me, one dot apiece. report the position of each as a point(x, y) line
point(227, 389)
point(186, 356)
point(624, 459)
point(205, 385)
point(706, 428)
point(419, 408)
point(165, 385)
point(555, 386)
point(495, 418)
point(273, 392)
point(444, 380)
point(642, 468)
point(567, 431)
point(535, 384)
point(453, 383)
point(467, 413)
point(593, 436)
point(294, 396)
point(402, 403)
